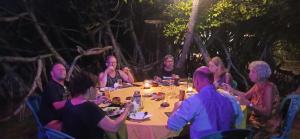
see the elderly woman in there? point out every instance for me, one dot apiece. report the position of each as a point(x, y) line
point(262, 100)
point(216, 66)
point(83, 119)
point(111, 75)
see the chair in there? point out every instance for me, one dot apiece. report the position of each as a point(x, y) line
point(54, 134)
point(229, 134)
point(33, 103)
point(292, 102)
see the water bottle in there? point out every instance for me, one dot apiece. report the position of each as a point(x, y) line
point(136, 101)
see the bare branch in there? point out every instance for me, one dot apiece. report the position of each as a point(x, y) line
point(12, 18)
point(45, 38)
point(93, 51)
point(23, 59)
point(33, 87)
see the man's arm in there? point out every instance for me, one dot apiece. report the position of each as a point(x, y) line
point(181, 115)
point(128, 77)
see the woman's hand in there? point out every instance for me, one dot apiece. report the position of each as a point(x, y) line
point(243, 100)
point(227, 88)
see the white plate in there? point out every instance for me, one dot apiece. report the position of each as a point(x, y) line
point(106, 89)
point(139, 116)
point(114, 111)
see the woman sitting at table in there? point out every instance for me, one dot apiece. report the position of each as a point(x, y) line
point(216, 66)
point(83, 119)
point(262, 100)
point(111, 75)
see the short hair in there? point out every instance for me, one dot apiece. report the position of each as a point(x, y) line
point(57, 63)
point(109, 56)
point(80, 83)
point(262, 69)
point(168, 57)
point(200, 73)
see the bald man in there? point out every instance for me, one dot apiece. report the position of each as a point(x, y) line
point(208, 111)
point(54, 98)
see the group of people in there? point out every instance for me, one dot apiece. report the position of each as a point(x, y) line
point(208, 111)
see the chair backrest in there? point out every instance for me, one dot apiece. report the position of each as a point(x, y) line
point(293, 109)
point(33, 103)
point(229, 134)
point(54, 134)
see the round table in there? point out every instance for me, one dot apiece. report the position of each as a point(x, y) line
point(155, 127)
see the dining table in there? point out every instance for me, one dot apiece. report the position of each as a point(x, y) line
point(154, 127)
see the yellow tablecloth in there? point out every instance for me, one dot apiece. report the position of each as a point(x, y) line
point(155, 127)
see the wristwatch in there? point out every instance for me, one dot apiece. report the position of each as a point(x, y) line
point(251, 105)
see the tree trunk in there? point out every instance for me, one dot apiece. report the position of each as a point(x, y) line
point(117, 51)
point(136, 44)
point(202, 48)
point(189, 34)
point(45, 39)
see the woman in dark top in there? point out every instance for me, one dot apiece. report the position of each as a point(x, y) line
point(111, 74)
point(83, 119)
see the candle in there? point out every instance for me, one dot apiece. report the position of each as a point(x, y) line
point(190, 89)
point(146, 85)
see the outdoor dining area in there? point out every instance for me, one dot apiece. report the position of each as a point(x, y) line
point(165, 107)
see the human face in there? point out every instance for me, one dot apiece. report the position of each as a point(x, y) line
point(253, 75)
point(169, 63)
point(58, 72)
point(212, 67)
point(112, 61)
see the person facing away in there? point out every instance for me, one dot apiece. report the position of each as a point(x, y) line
point(168, 70)
point(54, 98)
point(83, 119)
point(217, 67)
point(111, 75)
point(262, 101)
point(208, 111)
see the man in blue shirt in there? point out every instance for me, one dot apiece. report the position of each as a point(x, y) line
point(208, 111)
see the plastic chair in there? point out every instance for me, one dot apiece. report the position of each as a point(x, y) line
point(229, 134)
point(33, 103)
point(293, 109)
point(54, 134)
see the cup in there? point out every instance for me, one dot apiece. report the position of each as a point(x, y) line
point(119, 81)
point(181, 95)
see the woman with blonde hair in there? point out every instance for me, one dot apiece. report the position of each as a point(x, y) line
point(262, 100)
point(221, 75)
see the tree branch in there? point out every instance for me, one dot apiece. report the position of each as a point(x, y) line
point(12, 18)
point(33, 87)
point(23, 59)
point(93, 51)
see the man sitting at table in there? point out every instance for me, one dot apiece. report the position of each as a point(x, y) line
point(111, 75)
point(208, 111)
point(54, 98)
point(168, 70)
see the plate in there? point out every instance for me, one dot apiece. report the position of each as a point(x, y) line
point(103, 89)
point(113, 111)
point(139, 116)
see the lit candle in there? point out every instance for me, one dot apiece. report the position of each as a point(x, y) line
point(190, 89)
point(147, 85)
